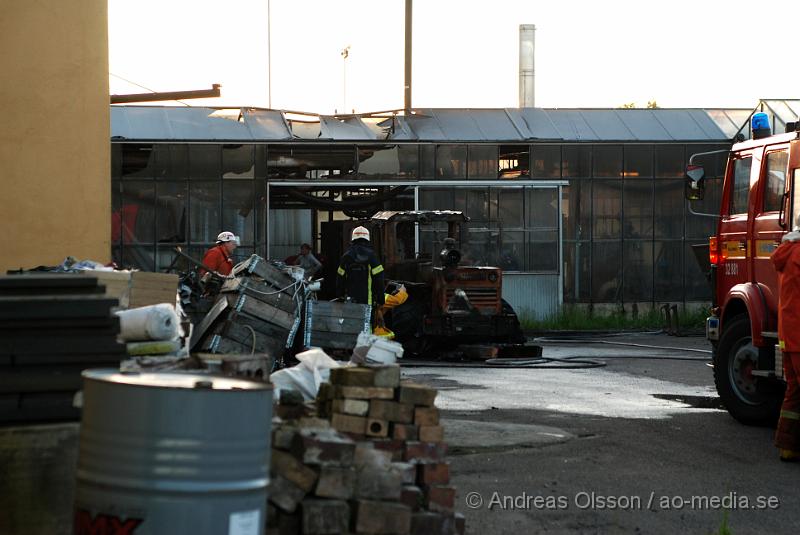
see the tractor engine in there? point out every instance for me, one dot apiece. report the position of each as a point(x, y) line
point(467, 289)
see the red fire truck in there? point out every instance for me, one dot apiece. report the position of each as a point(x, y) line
point(760, 203)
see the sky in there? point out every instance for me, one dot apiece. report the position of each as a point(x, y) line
point(589, 54)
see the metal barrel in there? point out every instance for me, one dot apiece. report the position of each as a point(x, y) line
point(178, 453)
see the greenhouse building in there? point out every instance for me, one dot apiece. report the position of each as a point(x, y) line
point(576, 205)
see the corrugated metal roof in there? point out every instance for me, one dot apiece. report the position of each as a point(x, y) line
point(437, 125)
point(190, 123)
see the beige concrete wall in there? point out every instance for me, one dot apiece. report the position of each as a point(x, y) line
point(54, 132)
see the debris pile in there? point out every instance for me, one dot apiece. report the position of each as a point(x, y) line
point(52, 327)
point(372, 463)
point(258, 311)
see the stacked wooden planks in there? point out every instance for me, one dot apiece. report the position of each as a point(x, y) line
point(52, 327)
point(137, 288)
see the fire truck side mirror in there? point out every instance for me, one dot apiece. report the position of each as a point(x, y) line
point(694, 188)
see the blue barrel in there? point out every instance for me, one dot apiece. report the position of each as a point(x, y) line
point(171, 452)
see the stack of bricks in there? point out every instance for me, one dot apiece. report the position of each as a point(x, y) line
point(372, 463)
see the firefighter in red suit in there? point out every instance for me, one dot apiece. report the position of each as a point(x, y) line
point(219, 258)
point(787, 262)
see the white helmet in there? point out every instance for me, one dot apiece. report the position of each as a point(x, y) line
point(226, 236)
point(359, 233)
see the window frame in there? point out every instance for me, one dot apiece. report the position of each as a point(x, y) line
point(733, 183)
point(765, 174)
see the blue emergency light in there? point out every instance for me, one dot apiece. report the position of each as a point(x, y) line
point(759, 124)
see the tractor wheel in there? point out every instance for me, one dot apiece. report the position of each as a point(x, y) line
point(516, 336)
point(406, 323)
point(750, 399)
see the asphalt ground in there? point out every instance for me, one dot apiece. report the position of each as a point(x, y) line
point(641, 445)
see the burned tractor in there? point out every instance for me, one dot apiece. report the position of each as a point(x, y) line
point(450, 302)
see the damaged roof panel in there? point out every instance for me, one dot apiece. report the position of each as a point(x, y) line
point(267, 124)
point(350, 128)
point(424, 125)
point(185, 123)
point(432, 125)
point(537, 123)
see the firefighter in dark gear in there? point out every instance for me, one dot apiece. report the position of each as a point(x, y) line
point(360, 274)
point(786, 259)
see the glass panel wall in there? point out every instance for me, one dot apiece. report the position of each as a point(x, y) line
point(183, 194)
point(627, 240)
point(392, 162)
point(607, 161)
point(451, 162)
point(515, 228)
point(482, 161)
point(546, 161)
point(626, 230)
point(576, 161)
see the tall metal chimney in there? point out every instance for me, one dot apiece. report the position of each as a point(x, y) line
point(407, 96)
point(527, 41)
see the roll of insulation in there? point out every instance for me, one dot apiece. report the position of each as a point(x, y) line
point(154, 322)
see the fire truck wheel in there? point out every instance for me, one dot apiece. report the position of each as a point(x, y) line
point(751, 400)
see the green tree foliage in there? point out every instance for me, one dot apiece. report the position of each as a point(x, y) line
point(651, 104)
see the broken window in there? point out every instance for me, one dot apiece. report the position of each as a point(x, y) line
point(513, 161)
point(392, 162)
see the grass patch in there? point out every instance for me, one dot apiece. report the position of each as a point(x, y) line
point(580, 319)
point(724, 529)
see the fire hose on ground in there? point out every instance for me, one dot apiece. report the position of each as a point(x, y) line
point(577, 361)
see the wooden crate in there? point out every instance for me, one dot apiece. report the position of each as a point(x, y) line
point(262, 291)
point(153, 288)
point(335, 325)
point(240, 324)
point(255, 265)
